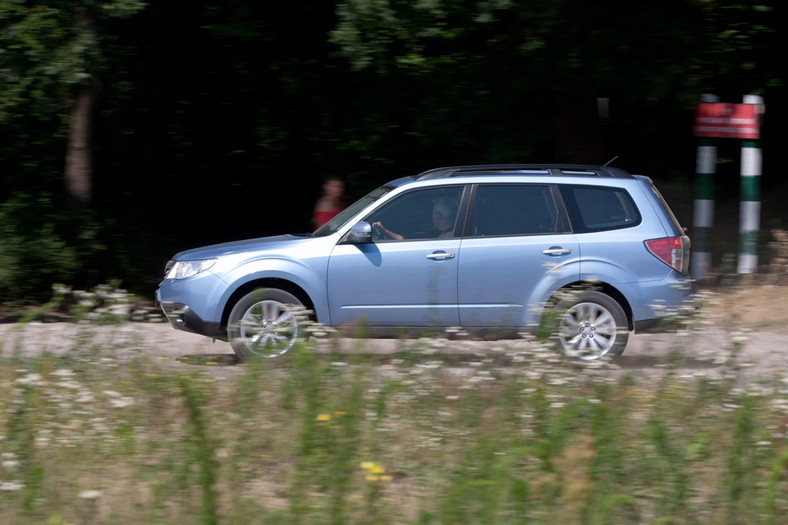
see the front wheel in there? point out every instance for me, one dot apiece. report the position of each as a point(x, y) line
point(266, 323)
point(589, 325)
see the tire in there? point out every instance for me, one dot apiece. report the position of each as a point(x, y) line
point(588, 325)
point(265, 322)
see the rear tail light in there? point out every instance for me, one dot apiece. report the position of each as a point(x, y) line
point(670, 250)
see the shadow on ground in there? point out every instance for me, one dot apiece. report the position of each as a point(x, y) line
point(209, 359)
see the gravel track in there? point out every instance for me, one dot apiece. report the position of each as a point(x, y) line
point(707, 351)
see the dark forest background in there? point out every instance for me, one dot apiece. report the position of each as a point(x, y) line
point(131, 129)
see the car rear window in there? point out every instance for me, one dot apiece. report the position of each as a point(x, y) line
point(597, 208)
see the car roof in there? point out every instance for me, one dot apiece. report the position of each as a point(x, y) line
point(525, 169)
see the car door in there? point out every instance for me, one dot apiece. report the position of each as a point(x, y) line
point(518, 248)
point(408, 275)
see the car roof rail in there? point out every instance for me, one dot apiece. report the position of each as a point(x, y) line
point(525, 169)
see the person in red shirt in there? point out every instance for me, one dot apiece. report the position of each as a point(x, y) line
point(330, 203)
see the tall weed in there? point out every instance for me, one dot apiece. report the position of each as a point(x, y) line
point(108, 434)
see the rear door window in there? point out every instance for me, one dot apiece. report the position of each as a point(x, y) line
point(515, 209)
point(598, 208)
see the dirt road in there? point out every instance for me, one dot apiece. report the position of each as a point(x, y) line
point(744, 326)
point(706, 350)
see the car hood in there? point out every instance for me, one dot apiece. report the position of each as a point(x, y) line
point(276, 242)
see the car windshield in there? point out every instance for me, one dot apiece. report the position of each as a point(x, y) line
point(349, 212)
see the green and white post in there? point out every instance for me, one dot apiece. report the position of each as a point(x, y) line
point(703, 217)
point(750, 201)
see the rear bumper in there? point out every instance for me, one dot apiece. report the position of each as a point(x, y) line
point(670, 321)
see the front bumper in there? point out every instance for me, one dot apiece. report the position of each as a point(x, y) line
point(184, 318)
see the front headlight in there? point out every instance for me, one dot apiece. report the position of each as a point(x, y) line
point(183, 269)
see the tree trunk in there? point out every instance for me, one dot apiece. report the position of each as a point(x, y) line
point(79, 157)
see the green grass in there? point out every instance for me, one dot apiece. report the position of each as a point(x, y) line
point(519, 436)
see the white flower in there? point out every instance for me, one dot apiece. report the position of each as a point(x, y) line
point(12, 485)
point(121, 402)
point(10, 464)
point(90, 494)
point(30, 379)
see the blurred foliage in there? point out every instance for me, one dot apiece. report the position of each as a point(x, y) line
point(41, 244)
point(220, 121)
point(33, 253)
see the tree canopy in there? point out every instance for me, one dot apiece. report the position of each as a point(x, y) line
point(205, 121)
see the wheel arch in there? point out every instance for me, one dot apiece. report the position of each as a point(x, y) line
point(606, 288)
point(269, 282)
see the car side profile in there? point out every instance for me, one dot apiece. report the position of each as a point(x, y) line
point(586, 254)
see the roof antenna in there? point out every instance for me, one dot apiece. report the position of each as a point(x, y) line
point(608, 163)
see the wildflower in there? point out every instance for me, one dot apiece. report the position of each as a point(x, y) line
point(10, 464)
point(84, 396)
point(375, 472)
point(30, 379)
point(324, 417)
point(90, 494)
point(121, 402)
point(61, 289)
point(12, 485)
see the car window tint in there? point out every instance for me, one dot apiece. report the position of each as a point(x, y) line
point(594, 208)
point(516, 209)
point(420, 214)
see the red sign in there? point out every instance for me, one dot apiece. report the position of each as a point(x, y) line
point(738, 121)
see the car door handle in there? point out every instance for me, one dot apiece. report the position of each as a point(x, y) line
point(556, 250)
point(440, 255)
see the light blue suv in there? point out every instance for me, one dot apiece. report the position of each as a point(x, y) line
point(585, 254)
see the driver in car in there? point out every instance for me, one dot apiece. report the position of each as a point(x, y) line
point(443, 214)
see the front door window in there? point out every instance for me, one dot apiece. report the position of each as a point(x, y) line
point(424, 214)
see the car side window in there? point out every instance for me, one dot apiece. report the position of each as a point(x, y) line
point(598, 208)
point(421, 214)
point(514, 209)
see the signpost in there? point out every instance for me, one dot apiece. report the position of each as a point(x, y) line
point(738, 121)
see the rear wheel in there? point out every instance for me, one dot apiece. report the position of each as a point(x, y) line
point(588, 325)
point(265, 322)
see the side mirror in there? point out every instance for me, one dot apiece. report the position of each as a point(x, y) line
point(360, 233)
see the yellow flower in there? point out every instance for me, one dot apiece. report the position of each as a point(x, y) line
point(373, 469)
point(324, 417)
